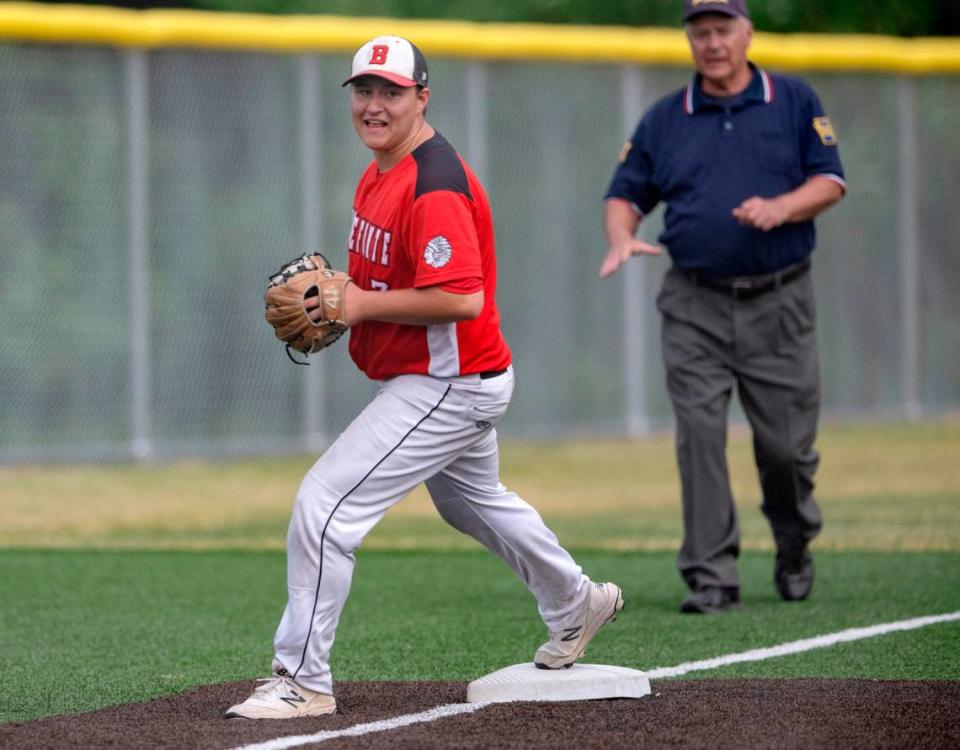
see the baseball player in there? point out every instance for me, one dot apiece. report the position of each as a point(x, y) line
point(425, 326)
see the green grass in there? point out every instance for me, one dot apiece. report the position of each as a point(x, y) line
point(85, 629)
point(122, 583)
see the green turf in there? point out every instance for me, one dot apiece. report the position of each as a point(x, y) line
point(82, 629)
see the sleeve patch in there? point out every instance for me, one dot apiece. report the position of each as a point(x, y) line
point(824, 128)
point(438, 252)
point(625, 150)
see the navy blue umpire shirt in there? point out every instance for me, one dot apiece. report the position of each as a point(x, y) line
point(704, 156)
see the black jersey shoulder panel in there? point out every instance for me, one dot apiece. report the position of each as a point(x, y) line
point(439, 168)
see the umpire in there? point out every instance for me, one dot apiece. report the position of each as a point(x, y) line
point(744, 160)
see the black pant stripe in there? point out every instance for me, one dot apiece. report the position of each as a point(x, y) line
point(323, 535)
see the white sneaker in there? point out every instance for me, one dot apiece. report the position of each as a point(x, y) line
point(279, 697)
point(568, 645)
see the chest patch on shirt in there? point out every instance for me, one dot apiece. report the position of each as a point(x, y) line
point(438, 252)
point(824, 128)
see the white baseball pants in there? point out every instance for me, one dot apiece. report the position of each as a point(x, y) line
point(417, 429)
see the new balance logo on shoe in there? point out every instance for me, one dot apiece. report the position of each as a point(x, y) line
point(571, 633)
point(293, 698)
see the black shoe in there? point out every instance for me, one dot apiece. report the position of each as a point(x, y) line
point(712, 599)
point(793, 573)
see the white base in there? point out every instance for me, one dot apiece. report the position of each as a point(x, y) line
point(581, 682)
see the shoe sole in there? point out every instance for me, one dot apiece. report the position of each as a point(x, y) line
point(235, 715)
point(617, 607)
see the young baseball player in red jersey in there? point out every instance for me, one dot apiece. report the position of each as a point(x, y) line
point(424, 324)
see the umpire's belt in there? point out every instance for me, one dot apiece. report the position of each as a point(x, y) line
point(748, 287)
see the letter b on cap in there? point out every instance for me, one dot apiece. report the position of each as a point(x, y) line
point(378, 55)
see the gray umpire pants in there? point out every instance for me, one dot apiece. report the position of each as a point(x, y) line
point(765, 346)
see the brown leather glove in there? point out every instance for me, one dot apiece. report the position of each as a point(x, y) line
point(307, 276)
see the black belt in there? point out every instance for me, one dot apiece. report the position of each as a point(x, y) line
point(492, 374)
point(748, 287)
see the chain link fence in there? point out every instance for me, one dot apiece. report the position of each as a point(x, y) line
point(145, 196)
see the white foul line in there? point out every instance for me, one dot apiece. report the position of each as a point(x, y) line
point(440, 712)
point(807, 644)
point(759, 654)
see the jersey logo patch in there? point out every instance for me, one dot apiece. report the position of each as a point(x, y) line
point(437, 253)
point(625, 150)
point(824, 128)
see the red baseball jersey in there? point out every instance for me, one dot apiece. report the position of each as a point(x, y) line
point(426, 222)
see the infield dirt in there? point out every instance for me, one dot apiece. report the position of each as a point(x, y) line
point(808, 713)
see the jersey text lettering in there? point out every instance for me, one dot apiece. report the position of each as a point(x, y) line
point(369, 240)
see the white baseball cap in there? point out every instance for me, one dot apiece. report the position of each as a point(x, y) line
point(391, 57)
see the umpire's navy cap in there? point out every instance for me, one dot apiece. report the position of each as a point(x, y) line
point(693, 8)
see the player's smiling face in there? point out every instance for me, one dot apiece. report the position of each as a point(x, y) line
point(387, 117)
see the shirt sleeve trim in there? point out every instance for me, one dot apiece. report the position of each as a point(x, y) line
point(827, 176)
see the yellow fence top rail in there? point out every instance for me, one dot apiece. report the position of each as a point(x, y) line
point(150, 29)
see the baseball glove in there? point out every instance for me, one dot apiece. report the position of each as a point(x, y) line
point(287, 292)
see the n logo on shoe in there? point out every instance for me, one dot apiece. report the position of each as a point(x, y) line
point(572, 633)
point(293, 698)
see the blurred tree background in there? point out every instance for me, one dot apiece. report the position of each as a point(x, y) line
point(896, 17)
